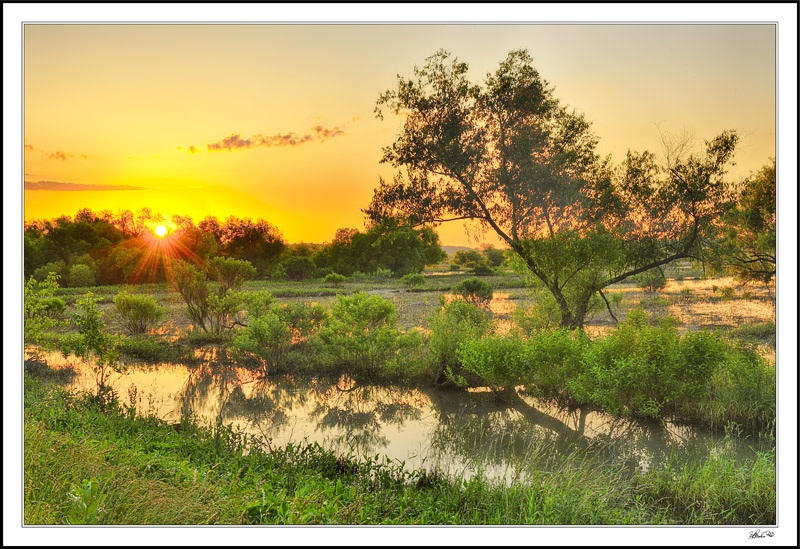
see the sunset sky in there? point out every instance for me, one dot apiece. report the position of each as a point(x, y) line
point(277, 122)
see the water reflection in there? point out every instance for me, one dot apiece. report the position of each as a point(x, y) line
point(450, 432)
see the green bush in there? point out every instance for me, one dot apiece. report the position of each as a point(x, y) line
point(413, 280)
point(502, 362)
point(652, 280)
point(482, 270)
point(211, 306)
point(53, 307)
point(59, 268)
point(454, 267)
point(93, 343)
point(138, 313)
point(39, 308)
point(359, 332)
point(455, 323)
point(80, 276)
point(727, 293)
point(474, 290)
point(646, 371)
point(334, 279)
point(381, 274)
point(230, 273)
point(299, 267)
point(266, 336)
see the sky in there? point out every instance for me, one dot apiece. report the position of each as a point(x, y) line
point(277, 121)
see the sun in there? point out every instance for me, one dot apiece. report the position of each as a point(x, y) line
point(161, 231)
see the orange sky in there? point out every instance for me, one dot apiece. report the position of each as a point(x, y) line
point(143, 111)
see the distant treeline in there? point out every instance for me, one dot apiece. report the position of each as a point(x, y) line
point(113, 248)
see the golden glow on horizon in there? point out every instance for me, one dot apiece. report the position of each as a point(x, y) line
point(133, 121)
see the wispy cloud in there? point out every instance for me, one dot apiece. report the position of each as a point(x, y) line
point(236, 142)
point(63, 186)
point(57, 155)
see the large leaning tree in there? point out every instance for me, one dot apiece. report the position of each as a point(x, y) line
point(505, 152)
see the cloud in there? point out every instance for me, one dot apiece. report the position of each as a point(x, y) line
point(61, 186)
point(327, 133)
point(193, 149)
point(291, 139)
point(233, 141)
point(58, 155)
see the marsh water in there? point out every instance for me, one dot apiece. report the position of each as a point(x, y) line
point(453, 433)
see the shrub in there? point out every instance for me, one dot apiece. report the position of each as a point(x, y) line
point(39, 309)
point(360, 332)
point(687, 294)
point(267, 337)
point(455, 323)
point(381, 274)
point(59, 268)
point(652, 280)
point(95, 344)
point(500, 361)
point(299, 267)
point(413, 280)
point(80, 275)
point(454, 267)
point(334, 279)
point(482, 270)
point(274, 330)
point(727, 293)
point(53, 307)
point(230, 273)
point(138, 313)
point(211, 306)
point(474, 290)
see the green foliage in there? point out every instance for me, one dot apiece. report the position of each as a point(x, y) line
point(454, 267)
point(652, 280)
point(87, 502)
point(759, 331)
point(727, 293)
point(230, 273)
point(360, 332)
point(474, 290)
point(334, 279)
point(94, 344)
point(413, 280)
point(272, 331)
point(59, 268)
point(41, 309)
point(645, 370)
point(299, 267)
point(500, 361)
point(258, 303)
point(746, 242)
point(468, 258)
point(482, 270)
point(388, 246)
point(211, 306)
point(138, 313)
point(455, 323)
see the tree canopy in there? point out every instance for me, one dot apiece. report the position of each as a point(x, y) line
point(507, 153)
